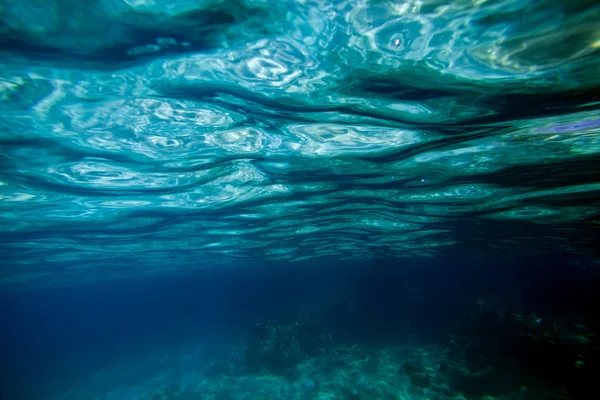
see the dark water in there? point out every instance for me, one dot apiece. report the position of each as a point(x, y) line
point(260, 199)
point(474, 327)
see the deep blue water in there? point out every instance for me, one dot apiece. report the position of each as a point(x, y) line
point(122, 340)
point(338, 199)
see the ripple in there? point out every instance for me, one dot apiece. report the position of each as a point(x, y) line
point(160, 136)
point(334, 140)
point(97, 175)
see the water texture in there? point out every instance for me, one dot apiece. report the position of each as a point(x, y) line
point(152, 136)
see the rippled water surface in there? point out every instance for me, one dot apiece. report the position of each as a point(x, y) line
point(150, 136)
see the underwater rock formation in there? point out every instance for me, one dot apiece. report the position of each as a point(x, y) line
point(218, 368)
point(503, 350)
point(277, 345)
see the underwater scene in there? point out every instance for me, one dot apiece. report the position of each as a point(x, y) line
point(299, 199)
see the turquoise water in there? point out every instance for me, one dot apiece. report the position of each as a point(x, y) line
point(225, 132)
point(162, 140)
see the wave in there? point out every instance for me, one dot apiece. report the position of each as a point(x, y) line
point(156, 137)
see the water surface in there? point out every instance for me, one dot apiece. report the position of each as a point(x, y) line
point(149, 137)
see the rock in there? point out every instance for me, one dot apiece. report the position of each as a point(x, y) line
point(277, 346)
point(444, 389)
point(420, 379)
point(413, 367)
point(217, 368)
